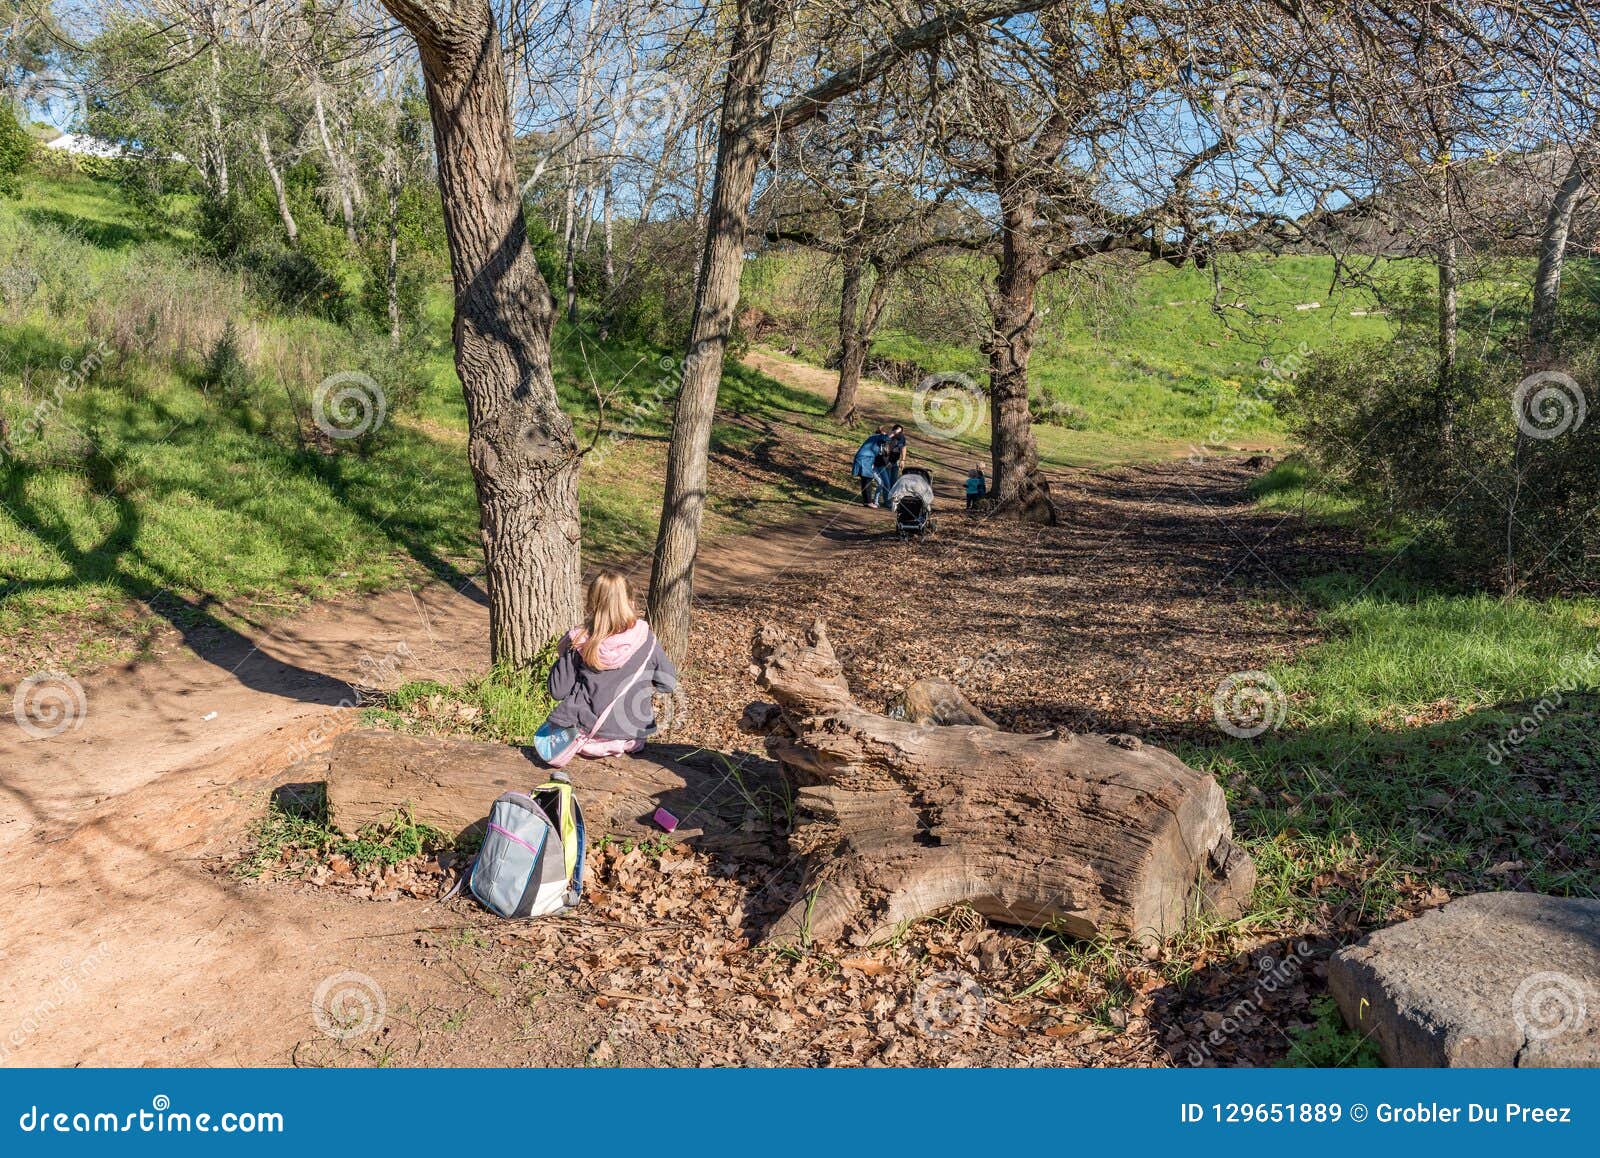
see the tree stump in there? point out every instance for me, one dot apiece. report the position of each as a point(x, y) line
point(1087, 834)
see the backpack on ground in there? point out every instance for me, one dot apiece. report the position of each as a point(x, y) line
point(531, 862)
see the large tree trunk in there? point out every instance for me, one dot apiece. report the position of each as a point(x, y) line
point(1449, 326)
point(739, 152)
point(1093, 835)
point(852, 351)
point(854, 361)
point(1018, 484)
point(520, 445)
point(1552, 255)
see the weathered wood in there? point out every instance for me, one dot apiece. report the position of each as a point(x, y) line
point(896, 820)
point(938, 701)
point(450, 783)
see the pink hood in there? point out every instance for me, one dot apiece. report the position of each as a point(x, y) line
point(615, 650)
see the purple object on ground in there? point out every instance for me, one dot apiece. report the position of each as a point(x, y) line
point(665, 819)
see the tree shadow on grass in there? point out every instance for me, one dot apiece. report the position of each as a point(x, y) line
point(108, 235)
point(115, 559)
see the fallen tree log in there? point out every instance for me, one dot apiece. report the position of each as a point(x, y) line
point(1089, 834)
point(449, 784)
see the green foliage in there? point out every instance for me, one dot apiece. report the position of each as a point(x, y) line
point(1328, 1044)
point(225, 368)
point(198, 499)
point(656, 300)
point(508, 704)
point(294, 821)
point(398, 840)
point(16, 149)
point(1136, 351)
point(321, 274)
point(1393, 763)
point(1438, 459)
point(296, 828)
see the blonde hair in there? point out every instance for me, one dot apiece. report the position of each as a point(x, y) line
point(607, 610)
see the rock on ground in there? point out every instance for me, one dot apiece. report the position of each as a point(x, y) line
point(1492, 979)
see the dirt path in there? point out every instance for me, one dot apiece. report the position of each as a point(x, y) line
point(121, 945)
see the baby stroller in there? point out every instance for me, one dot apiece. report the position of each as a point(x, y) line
point(912, 500)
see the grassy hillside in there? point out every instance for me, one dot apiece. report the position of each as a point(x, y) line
point(163, 454)
point(1150, 352)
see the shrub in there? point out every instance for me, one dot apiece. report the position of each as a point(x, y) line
point(16, 150)
point(225, 367)
point(1454, 472)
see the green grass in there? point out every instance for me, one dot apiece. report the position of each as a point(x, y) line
point(1436, 738)
point(506, 705)
point(1328, 1043)
point(295, 833)
point(1398, 651)
point(1290, 488)
point(1158, 356)
point(151, 485)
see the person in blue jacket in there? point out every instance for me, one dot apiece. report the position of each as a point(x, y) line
point(868, 465)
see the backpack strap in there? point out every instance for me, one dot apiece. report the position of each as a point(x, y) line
point(649, 650)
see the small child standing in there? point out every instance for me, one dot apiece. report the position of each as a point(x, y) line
point(977, 487)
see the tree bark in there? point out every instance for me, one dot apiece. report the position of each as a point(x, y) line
point(218, 146)
point(1449, 313)
point(520, 446)
point(570, 246)
point(336, 165)
point(1552, 256)
point(1018, 484)
point(722, 262)
point(285, 214)
point(608, 246)
point(1092, 835)
point(852, 351)
point(391, 273)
